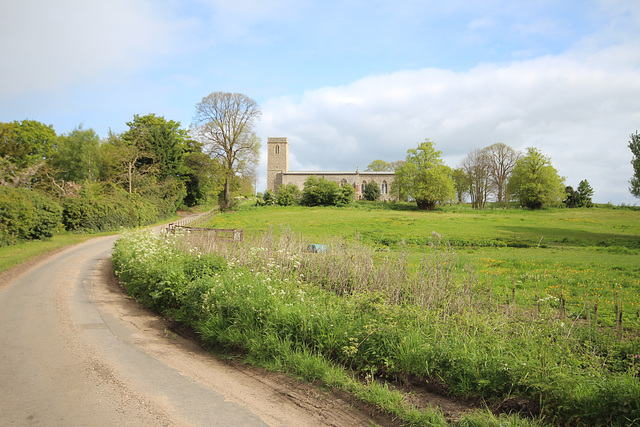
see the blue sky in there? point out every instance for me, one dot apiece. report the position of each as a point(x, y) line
point(347, 82)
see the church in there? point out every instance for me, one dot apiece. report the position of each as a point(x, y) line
point(278, 172)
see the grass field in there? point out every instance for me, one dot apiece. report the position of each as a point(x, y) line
point(586, 257)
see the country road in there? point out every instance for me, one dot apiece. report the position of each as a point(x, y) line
point(75, 351)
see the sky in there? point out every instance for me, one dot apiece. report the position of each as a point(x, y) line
point(348, 82)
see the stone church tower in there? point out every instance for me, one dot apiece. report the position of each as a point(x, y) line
point(278, 173)
point(277, 161)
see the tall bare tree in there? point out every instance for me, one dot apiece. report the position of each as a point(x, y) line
point(501, 160)
point(476, 166)
point(224, 125)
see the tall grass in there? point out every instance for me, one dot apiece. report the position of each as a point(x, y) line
point(353, 309)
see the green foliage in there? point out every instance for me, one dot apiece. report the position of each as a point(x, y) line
point(424, 177)
point(287, 195)
point(372, 191)
point(634, 146)
point(77, 157)
point(461, 183)
point(26, 214)
point(164, 140)
point(26, 143)
point(579, 198)
point(270, 308)
point(99, 210)
point(534, 182)
point(269, 198)
point(380, 166)
point(321, 192)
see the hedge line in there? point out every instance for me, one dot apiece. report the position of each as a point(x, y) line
point(27, 214)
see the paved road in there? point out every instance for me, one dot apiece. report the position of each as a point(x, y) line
point(75, 354)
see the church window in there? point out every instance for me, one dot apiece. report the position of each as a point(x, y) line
point(277, 149)
point(383, 188)
point(364, 184)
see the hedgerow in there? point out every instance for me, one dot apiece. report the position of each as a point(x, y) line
point(107, 212)
point(26, 214)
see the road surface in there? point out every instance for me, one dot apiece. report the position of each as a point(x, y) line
point(75, 351)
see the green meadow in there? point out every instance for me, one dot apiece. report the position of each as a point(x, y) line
point(587, 260)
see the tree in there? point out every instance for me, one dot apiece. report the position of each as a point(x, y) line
point(580, 198)
point(461, 183)
point(371, 191)
point(162, 138)
point(424, 177)
point(585, 192)
point(634, 145)
point(78, 155)
point(534, 182)
point(123, 163)
point(501, 159)
point(224, 124)
point(27, 143)
point(379, 166)
point(476, 166)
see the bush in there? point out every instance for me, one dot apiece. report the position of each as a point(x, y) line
point(287, 195)
point(104, 212)
point(26, 214)
point(321, 192)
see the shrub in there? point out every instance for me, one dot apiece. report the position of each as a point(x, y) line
point(287, 195)
point(26, 214)
point(103, 212)
point(321, 192)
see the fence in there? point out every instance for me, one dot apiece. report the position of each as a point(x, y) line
point(232, 235)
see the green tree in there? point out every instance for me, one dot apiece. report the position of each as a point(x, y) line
point(379, 166)
point(585, 193)
point(461, 183)
point(534, 182)
point(123, 162)
point(162, 138)
point(224, 124)
point(27, 143)
point(634, 145)
point(202, 175)
point(371, 191)
point(78, 155)
point(424, 177)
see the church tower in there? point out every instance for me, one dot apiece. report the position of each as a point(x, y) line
point(277, 161)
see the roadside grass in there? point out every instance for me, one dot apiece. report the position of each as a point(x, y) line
point(11, 256)
point(350, 321)
point(14, 255)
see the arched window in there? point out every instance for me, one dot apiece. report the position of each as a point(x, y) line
point(364, 184)
point(277, 149)
point(343, 183)
point(383, 188)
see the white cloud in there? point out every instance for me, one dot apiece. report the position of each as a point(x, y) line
point(578, 109)
point(49, 44)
